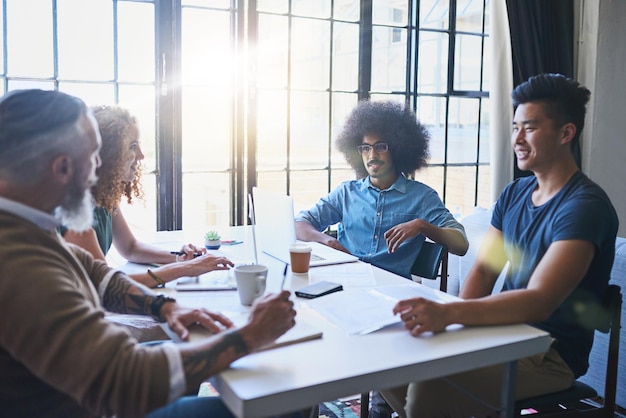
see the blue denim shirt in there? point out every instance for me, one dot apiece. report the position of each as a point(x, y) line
point(364, 213)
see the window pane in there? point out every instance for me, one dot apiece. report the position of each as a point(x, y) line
point(484, 187)
point(135, 45)
point(469, 16)
point(433, 177)
point(273, 6)
point(307, 187)
point(394, 13)
point(275, 181)
point(208, 56)
point(29, 55)
point(222, 4)
point(343, 104)
point(27, 84)
point(389, 59)
point(317, 8)
point(431, 112)
point(272, 130)
point(487, 65)
point(140, 101)
point(468, 60)
point(341, 175)
point(433, 63)
point(81, 26)
point(485, 137)
point(310, 49)
point(460, 189)
point(309, 130)
point(207, 201)
point(347, 10)
point(346, 57)
point(92, 93)
point(272, 51)
point(141, 214)
point(462, 130)
point(206, 129)
point(434, 14)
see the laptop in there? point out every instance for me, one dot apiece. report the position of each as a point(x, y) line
point(275, 230)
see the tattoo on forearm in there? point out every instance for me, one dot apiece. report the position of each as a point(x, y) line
point(200, 363)
point(123, 295)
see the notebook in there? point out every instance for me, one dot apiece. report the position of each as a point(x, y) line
point(275, 230)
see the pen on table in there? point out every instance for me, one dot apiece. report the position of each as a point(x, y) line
point(182, 253)
point(231, 242)
point(282, 284)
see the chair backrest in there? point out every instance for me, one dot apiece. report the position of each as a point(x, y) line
point(611, 323)
point(607, 319)
point(432, 262)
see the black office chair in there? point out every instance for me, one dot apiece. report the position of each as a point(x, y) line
point(431, 262)
point(573, 402)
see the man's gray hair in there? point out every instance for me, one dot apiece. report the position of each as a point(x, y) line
point(37, 126)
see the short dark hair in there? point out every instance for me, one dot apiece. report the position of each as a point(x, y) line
point(392, 123)
point(35, 126)
point(564, 99)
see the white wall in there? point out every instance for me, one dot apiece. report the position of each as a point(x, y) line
point(602, 68)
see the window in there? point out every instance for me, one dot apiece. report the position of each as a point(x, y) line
point(233, 94)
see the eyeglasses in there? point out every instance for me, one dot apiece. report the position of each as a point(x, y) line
point(378, 147)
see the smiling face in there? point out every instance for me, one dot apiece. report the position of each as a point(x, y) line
point(379, 165)
point(133, 155)
point(536, 140)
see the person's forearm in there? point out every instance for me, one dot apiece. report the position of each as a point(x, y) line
point(124, 295)
point(306, 232)
point(452, 238)
point(145, 253)
point(511, 307)
point(211, 356)
point(161, 275)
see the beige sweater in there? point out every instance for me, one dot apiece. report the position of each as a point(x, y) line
point(58, 355)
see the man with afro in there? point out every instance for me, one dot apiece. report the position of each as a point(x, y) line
point(383, 216)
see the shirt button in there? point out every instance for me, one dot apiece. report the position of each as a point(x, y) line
point(377, 213)
point(375, 236)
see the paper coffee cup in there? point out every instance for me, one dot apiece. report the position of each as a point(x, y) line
point(300, 256)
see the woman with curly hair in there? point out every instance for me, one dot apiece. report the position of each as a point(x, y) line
point(119, 176)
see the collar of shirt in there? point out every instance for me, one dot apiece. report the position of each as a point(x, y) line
point(39, 218)
point(400, 184)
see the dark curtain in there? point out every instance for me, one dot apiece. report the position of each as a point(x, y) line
point(542, 41)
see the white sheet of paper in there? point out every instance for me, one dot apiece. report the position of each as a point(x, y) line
point(361, 311)
point(357, 311)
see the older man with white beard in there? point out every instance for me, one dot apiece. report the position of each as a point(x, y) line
point(59, 357)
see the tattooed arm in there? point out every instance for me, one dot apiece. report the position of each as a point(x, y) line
point(121, 294)
point(272, 315)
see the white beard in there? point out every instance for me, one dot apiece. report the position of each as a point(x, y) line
point(76, 210)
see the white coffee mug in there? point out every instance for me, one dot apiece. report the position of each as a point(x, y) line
point(251, 279)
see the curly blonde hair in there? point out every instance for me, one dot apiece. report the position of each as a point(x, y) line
point(117, 127)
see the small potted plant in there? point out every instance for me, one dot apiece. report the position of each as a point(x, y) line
point(212, 240)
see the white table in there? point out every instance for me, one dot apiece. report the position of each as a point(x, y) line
point(301, 375)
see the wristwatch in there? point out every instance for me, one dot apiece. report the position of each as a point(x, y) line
point(157, 303)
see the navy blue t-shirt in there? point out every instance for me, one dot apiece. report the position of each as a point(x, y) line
point(581, 210)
